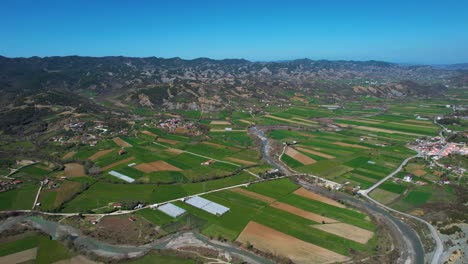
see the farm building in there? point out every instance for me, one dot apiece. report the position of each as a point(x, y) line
point(207, 163)
point(122, 151)
point(207, 205)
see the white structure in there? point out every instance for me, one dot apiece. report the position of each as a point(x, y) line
point(407, 178)
point(121, 176)
point(207, 205)
point(171, 210)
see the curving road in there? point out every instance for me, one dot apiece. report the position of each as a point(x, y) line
point(439, 246)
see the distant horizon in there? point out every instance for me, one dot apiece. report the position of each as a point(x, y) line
point(227, 58)
point(404, 32)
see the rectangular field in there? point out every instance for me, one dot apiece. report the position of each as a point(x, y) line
point(273, 241)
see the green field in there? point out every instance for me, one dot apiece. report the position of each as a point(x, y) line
point(19, 198)
point(244, 209)
point(45, 246)
point(102, 193)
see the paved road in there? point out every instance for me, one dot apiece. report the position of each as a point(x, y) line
point(439, 246)
point(436, 258)
point(389, 176)
point(37, 195)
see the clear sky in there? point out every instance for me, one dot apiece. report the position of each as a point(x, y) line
point(395, 30)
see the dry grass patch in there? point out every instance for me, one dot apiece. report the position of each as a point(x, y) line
point(156, 166)
point(99, 154)
point(246, 121)
point(347, 231)
point(374, 129)
point(69, 155)
point(299, 156)
point(168, 141)
point(74, 170)
point(304, 120)
point(297, 98)
point(181, 130)
point(174, 151)
point(302, 213)
point(116, 163)
point(383, 196)
point(20, 257)
point(320, 154)
point(245, 162)
point(419, 172)
point(146, 132)
point(317, 197)
point(350, 145)
point(219, 122)
point(120, 142)
point(253, 195)
point(273, 241)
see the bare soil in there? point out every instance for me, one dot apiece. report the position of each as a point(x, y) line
point(246, 121)
point(253, 195)
point(120, 142)
point(116, 163)
point(419, 172)
point(74, 170)
point(146, 132)
point(77, 260)
point(174, 151)
point(156, 166)
point(19, 257)
point(99, 154)
point(220, 122)
point(120, 230)
point(302, 213)
point(181, 130)
point(320, 154)
point(168, 141)
point(347, 231)
point(299, 156)
point(69, 155)
point(317, 197)
point(374, 129)
point(273, 241)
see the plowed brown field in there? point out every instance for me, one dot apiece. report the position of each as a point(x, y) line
point(156, 166)
point(273, 241)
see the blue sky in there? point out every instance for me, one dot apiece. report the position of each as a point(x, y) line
point(398, 30)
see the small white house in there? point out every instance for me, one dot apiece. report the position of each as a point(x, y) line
point(407, 178)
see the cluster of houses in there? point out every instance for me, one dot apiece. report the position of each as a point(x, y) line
point(437, 148)
point(408, 178)
point(6, 185)
point(83, 133)
point(176, 125)
point(50, 183)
